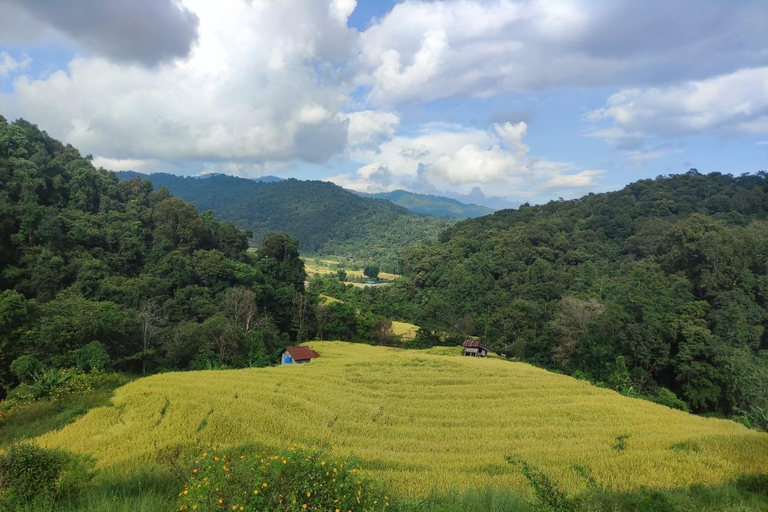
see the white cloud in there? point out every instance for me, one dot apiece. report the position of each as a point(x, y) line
point(259, 86)
point(733, 103)
point(762, 143)
point(127, 164)
point(425, 50)
point(369, 128)
point(9, 65)
point(458, 159)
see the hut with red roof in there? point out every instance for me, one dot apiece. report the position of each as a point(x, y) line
point(298, 355)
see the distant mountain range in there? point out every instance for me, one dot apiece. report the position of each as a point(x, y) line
point(325, 218)
point(432, 205)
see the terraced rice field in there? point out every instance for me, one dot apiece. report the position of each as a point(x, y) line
point(421, 420)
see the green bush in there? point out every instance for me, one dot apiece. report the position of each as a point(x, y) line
point(25, 367)
point(668, 398)
point(29, 473)
point(92, 356)
point(51, 382)
point(294, 480)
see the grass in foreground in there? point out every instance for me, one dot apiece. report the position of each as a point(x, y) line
point(422, 422)
point(156, 489)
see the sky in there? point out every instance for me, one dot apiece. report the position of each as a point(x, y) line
point(494, 102)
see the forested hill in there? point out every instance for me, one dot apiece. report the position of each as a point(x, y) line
point(96, 273)
point(661, 284)
point(432, 205)
point(324, 217)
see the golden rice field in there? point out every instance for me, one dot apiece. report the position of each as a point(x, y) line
point(405, 330)
point(421, 420)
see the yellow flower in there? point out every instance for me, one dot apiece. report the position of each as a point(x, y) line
point(221, 501)
point(256, 491)
point(309, 494)
point(304, 506)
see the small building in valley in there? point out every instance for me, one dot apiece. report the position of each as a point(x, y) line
point(475, 349)
point(298, 355)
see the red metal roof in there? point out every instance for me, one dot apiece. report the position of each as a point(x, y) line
point(475, 344)
point(302, 353)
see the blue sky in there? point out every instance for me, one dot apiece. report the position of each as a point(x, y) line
point(492, 101)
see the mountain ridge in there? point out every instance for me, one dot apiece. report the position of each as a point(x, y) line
point(430, 204)
point(325, 218)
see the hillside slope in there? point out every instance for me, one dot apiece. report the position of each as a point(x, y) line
point(324, 217)
point(432, 205)
point(421, 420)
point(663, 284)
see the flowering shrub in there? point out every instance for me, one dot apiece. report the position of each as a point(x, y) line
point(295, 480)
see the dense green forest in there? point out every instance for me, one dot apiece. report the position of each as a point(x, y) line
point(663, 284)
point(325, 218)
point(432, 205)
point(97, 272)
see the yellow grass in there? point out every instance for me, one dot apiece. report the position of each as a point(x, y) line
point(421, 420)
point(405, 330)
point(327, 299)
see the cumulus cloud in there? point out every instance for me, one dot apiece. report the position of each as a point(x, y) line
point(145, 31)
point(369, 128)
point(9, 65)
point(425, 50)
point(461, 160)
point(127, 164)
point(732, 103)
point(249, 91)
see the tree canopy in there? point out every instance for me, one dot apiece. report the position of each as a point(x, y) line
point(86, 258)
